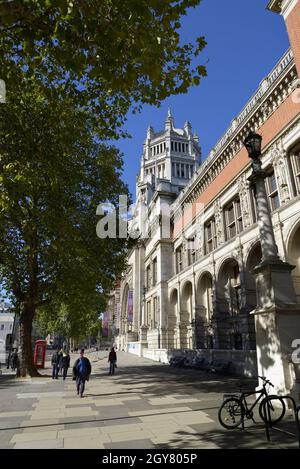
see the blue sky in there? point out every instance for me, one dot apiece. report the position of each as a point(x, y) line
point(245, 41)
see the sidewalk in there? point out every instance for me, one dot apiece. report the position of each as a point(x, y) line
point(144, 405)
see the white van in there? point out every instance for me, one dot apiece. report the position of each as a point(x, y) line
point(3, 353)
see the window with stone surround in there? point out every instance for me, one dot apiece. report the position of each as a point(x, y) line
point(210, 236)
point(233, 219)
point(272, 190)
point(179, 263)
point(295, 163)
point(155, 312)
point(148, 313)
point(191, 251)
point(154, 266)
point(148, 277)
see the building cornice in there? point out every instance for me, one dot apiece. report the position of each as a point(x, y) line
point(275, 6)
point(258, 109)
point(282, 6)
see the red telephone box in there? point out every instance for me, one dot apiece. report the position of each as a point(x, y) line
point(39, 353)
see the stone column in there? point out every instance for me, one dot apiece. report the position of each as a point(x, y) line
point(267, 238)
point(277, 314)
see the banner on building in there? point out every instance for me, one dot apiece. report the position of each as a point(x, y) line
point(130, 306)
point(117, 312)
point(105, 324)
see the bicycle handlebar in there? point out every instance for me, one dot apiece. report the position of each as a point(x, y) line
point(263, 378)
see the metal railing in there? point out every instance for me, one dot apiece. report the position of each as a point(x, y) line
point(268, 419)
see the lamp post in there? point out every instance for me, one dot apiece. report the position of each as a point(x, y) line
point(277, 315)
point(143, 327)
point(267, 238)
point(193, 326)
point(144, 306)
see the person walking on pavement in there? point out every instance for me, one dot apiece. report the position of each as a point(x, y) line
point(112, 358)
point(60, 362)
point(65, 363)
point(81, 372)
point(55, 364)
point(14, 360)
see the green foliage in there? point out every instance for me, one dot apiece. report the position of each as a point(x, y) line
point(54, 173)
point(60, 319)
point(108, 54)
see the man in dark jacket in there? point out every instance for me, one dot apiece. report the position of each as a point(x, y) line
point(64, 363)
point(14, 360)
point(81, 372)
point(55, 364)
point(112, 358)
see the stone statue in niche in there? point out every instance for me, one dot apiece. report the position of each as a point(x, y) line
point(279, 163)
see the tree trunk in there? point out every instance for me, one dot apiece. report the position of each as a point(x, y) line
point(26, 366)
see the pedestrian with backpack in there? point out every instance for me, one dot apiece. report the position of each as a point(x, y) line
point(81, 372)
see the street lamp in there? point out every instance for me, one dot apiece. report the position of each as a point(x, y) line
point(253, 144)
point(277, 314)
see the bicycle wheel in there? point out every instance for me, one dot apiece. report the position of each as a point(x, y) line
point(276, 411)
point(230, 413)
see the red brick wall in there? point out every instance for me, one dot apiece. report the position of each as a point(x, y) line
point(277, 122)
point(293, 28)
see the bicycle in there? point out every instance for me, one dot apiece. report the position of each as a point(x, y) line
point(235, 407)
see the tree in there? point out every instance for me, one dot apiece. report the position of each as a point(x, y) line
point(77, 324)
point(53, 174)
point(110, 55)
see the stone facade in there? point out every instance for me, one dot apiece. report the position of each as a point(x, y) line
point(193, 288)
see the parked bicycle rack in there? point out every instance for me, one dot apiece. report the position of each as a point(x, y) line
point(268, 420)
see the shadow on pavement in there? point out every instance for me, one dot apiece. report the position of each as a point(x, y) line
point(157, 380)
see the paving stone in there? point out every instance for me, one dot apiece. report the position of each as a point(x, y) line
point(138, 444)
point(168, 410)
point(50, 435)
point(41, 444)
point(130, 436)
point(82, 443)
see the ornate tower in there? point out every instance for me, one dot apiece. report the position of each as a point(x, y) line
point(171, 155)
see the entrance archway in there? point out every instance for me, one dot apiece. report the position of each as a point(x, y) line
point(186, 314)
point(229, 305)
point(204, 311)
point(173, 319)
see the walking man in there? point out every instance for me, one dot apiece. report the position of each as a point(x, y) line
point(112, 358)
point(14, 360)
point(81, 372)
point(55, 364)
point(65, 363)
